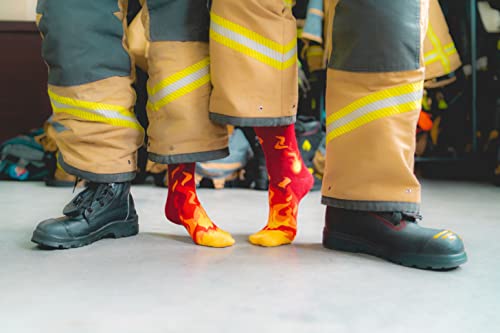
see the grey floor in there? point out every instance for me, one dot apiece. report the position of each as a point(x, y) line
point(159, 281)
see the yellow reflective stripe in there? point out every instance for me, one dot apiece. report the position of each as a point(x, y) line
point(179, 75)
point(179, 93)
point(253, 35)
point(449, 235)
point(384, 94)
point(89, 105)
point(251, 53)
point(436, 236)
point(179, 84)
point(114, 115)
point(379, 105)
point(96, 118)
point(450, 49)
point(252, 44)
point(439, 49)
point(382, 113)
point(431, 57)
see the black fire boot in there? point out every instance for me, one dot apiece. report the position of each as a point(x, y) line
point(392, 236)
point(99, 211)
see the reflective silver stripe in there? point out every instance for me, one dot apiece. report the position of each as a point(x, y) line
point(109, 114)
point(381, 104)
point(257, 47)
point(171, 88)
point(431, 57)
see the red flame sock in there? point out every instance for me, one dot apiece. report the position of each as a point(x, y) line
point(289, 182)
point(184, 208)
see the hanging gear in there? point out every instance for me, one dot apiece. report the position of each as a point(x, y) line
point(100, 211)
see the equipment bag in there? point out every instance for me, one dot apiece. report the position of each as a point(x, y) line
point(22, 158)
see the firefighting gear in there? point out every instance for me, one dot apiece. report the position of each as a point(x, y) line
point(253, 61)
point(100, 211)
point(313, 27)
point(289, 182)
point(441, 57)
point(393, 236)
point(440, 54)
point(92, 97)
point(373, 103)
point(184, 208)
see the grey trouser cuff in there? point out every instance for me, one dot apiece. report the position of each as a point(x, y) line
point(189, 158)
point(95, 177)
point(372, 206)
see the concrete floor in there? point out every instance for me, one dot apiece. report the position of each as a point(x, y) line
point(160, 282)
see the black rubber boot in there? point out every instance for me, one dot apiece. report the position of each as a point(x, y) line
point(392, 236)
point(99, 211)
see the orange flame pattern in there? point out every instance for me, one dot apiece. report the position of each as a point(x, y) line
point(184, 208)
point(289, 182)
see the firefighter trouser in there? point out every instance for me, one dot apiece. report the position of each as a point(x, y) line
point(90, 77)
point(374, 92)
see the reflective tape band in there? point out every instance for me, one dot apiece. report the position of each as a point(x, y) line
point(114, 115)
point(204, 63)
point(373, 107)
point(438, 48)
point(431, 57)
point(450, 49)
point(252, 44)
point(179, 84)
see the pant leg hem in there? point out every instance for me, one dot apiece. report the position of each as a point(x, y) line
point(189, 158)
point(372, 206)
point(251, 122)
point(95, 177)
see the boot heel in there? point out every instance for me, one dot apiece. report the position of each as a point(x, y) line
point(125, 228)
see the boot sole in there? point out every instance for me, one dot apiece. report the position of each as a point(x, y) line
point(346, 243)
point(117, 229)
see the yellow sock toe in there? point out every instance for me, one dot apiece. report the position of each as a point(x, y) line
point(270, 238)
point(215, 238)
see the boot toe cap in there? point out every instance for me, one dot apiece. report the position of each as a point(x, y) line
point(54, 228)
point(448, 243)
